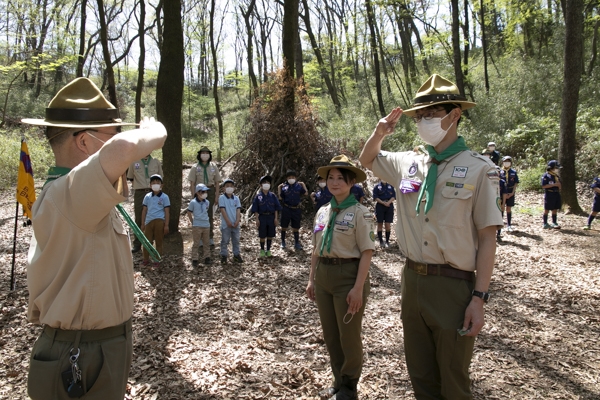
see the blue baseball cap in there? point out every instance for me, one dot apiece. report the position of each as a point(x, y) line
point(201, 187)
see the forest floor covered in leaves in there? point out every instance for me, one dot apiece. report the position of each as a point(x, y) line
point(248, 331)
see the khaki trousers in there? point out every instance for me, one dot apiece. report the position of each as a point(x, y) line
point(437, 357)
point(343, 341)
point(104, 364)
point(155, 231)
point(200, 234)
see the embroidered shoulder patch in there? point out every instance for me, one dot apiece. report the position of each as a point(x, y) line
point(368, 216)
point(499, 203)
point(372, 235)
point(493, 174)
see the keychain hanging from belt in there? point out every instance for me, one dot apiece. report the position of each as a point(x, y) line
point(72, 377)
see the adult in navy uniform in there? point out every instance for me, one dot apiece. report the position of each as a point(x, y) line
point(290, 192)
point(552, 200)
point(448, 213)
point(512, 181)
point(267, 206)
point(385, 195)
point(321, 195)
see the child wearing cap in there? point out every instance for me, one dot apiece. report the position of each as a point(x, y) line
point(321, 195)
point(595, 186)
point(494, 155)
point(197, 213)
point(385, 195)
point(290, 193)
point(155, 216)
point(230, 207)
point(512, 181)
point(552, 200)
point(267, 206)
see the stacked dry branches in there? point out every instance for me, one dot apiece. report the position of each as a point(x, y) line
point(278, 139)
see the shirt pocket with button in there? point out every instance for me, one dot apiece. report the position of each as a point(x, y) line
point(455, 207)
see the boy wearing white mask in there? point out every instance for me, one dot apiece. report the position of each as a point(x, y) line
point(448, 212)
point(267, 206)
point(230, 207)
point(155, 216)
point(291, 193)
point(197, 213)
point(511, 178)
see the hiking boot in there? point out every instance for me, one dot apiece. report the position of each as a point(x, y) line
point(587, 228)
point(268, 253)
point(547, 226)
point(262, 253)
point(327, 393)
point(509, 228)
point(223, 259)
point(194, 263)
point(238, 259)
point(555, 226)
point(387, 244)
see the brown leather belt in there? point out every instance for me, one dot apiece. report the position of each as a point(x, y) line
point(439, 269)
point(337, 261)
point(292, 207)
point(63, 335)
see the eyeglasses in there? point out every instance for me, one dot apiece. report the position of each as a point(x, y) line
point(427, 116)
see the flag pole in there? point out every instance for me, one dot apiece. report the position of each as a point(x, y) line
point(12, 270)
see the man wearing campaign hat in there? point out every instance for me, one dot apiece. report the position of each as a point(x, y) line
point(448, 212)
point(80, 271)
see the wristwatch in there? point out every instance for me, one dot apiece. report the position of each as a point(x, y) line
point(485, 296)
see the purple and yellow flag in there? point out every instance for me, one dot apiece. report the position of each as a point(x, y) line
point(25, 188)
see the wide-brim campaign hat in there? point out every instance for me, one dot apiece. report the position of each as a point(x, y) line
point(204, 148)
point(80, 104)
point(342, 162)
point(438, 90)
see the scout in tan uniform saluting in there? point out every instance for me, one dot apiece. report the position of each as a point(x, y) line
point(343, 243)
point(448, 213)
point(80, 271)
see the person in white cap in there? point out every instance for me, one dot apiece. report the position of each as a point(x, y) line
point(494, 156)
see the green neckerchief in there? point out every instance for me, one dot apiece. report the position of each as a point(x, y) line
point(429, 184)
point(57, 172)
point(205, 173)
point(335, 209)
point(146, 162)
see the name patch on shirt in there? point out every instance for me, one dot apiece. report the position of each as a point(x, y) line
point(349, 216)
point(341, 225)
point(460, 172)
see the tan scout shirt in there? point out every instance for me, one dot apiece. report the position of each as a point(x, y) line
point(353, 232)
point(467, 199)
point(80, 272)
point(137, 173)
point(196, 174)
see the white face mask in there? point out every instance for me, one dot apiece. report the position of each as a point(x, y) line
point(506, 164)
point(492, 148)
point(291, 181)
point(322, 184)
point(204, 196)
point(204, 157)
point(266, 186)
point(229, 190)
point(431, 130)
point(155, 187)
point(555, 170)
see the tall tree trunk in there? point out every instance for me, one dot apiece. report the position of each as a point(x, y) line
point(213, 50)
point(81, 55)
point(594, 49)
point(169, 99)
point(288, 44)
point(467, 45)
point(322, 68)
point(373, 36)
point(573, 61)
point(456, 47)
point(141, 63)
point(109, 72)
point(249, 47)
point(484, 46)
point(383, 63)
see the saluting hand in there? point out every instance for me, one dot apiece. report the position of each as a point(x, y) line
point(386, 125)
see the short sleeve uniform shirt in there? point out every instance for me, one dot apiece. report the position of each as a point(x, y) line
point(196, 174)
point(140, 173)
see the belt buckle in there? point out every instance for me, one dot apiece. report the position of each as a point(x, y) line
point(421, 268)
point(335, 261)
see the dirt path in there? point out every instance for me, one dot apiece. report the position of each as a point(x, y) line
point(248, 332)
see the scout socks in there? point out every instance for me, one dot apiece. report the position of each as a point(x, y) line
point(546, 218)
point(387, 236)
point(283, 238)
point(262, 244)
point(296, 237)
point(380, 236)
point(508, 217)
point(590, 219)
point(554, 219)
point(269, 244)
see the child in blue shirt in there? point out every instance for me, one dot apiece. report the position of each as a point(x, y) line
point(197, 213)
point(552, 199)
point(155, 216)
point(321, 195)
point(267, 206)
point(291, 193)
point(230, 207)
point(512, 181)
point(595, 186)
point(384, 194)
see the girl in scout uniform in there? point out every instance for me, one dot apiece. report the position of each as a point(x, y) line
point(595, 186)
point(343, 243)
